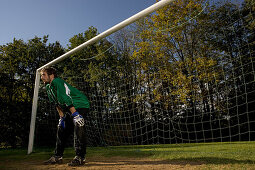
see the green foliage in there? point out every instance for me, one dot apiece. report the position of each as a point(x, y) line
point(18, 63)
point(185, 52)
point(174, 45)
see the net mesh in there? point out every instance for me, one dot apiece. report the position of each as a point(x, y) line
point(183, 74)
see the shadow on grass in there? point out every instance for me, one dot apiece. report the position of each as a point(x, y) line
point(181, 162)
point(218, 161)
point(186, 145)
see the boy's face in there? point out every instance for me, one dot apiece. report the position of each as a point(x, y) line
point(45, 77)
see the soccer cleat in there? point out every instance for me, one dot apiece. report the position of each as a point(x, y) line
point(54, 160)
point(77, 161)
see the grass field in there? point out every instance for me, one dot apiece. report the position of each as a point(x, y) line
point(234, 155)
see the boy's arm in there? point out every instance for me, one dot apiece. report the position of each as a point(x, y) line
point(60, 111)
point(72, 109)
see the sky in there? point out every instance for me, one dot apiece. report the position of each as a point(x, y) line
point(62, 19)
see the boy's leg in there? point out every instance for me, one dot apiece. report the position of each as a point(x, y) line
point(62, 135)
point(80, 140)
point(80, 135)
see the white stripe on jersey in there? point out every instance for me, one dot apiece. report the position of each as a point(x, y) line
point(67, 90)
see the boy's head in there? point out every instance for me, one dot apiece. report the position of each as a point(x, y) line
point(48, 74)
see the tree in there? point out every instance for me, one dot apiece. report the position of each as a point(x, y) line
point(18, 63)
point(232, 34)
point(178, 66)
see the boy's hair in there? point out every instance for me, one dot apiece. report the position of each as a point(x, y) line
point(50, 71)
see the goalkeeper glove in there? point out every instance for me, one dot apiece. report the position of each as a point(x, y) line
point(78, 119)
point(61, 122)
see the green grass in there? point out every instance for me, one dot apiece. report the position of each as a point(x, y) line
point(216, 153)
point(237, 154)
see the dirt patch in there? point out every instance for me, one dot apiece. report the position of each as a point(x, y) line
point(112, 163)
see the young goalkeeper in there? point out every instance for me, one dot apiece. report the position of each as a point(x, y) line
point(72, 106)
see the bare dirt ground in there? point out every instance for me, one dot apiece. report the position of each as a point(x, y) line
point(117, 163)
point(113, 163)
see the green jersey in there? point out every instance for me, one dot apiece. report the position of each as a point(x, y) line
point(64, 95)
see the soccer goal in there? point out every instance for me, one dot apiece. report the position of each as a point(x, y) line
point(176, 72)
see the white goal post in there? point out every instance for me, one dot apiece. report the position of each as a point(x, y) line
point(108, 32)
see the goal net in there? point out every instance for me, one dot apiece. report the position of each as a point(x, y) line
point(181, 74)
